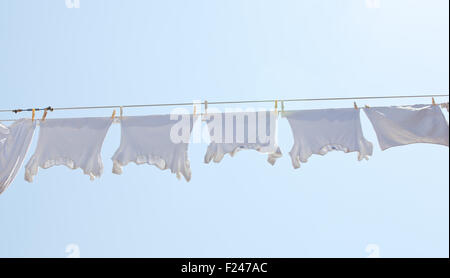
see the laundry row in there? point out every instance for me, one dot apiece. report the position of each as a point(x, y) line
point(162, 140)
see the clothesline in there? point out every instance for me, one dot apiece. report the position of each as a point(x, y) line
point(225, 102)
point(117, 118)
point(282, 101)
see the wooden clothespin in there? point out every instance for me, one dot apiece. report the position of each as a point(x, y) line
point(366, 106)
point(49, 108)
point(276, 106)
point(33, 113)
point(282, 106)
point(113, 114)
point(206, 111)
point(195, 110)
point(432, 101)
point(355, 105)
point(44, 115)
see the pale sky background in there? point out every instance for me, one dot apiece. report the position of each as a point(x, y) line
point(132, 52)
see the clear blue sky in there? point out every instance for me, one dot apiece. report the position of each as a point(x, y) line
point(129, 52)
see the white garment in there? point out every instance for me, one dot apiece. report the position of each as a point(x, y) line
point(323, 130)
point(75, 142)
point(14, 144)
point(155, 140)
point(232, 132)
point(402, 125)
point(3, 129)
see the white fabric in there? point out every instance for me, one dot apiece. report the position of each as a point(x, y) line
point(3, 130)
point(323, 130)
point(75, 143)
point(14, 144)
point(232, 132)
point(155, 140)
point(402, 125)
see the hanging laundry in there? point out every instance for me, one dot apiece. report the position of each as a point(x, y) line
point(232, 132)
point(402, 125)
point(323, 130)
point(3, 129)
point(160, 140)
point(14, 143)
point(75, 143)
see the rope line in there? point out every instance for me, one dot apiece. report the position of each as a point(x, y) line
point(220, 103)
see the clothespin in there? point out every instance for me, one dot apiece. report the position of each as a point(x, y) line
point(46, 109)
point(355, 105)
point(366, 106)
point(276, 106)
point(282, 106)
point(44, 115)
point(432, 101)
point(113, 114)
point(206, 111)
point(195, 110)
point(121, 112)
point(33, 113)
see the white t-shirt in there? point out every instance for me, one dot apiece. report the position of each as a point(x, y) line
point(73, 142)
point(14, 143)
point(402, 125)
point(232, 132)
point(323, 130)
point(160, 140)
